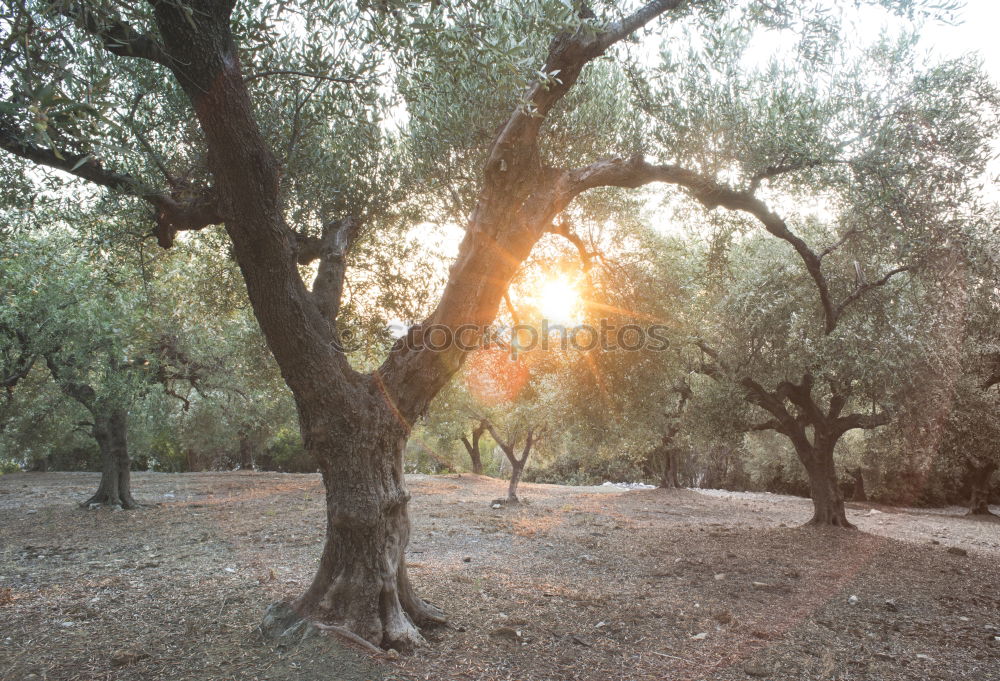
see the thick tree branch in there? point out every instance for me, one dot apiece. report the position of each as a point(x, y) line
point(331, 250)
point(506, 446)
point(116, 36)
point(568, 54)
point(174, 212)
point(636, 172)
point(863, 421)
point(565, 230)
point(865, 287)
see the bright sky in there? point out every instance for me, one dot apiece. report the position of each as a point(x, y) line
point(977, 33)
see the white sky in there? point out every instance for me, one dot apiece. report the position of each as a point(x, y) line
point(977, 34)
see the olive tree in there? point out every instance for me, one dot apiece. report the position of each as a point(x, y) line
point(185, 105)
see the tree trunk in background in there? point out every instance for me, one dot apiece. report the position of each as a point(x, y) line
point(668, 478)
point(858, 494)
point(979, 503)
point(828, 502)
point(246, 452)
point(473, 448)
point(362, 583)
point(516, 468)
point(111, 432)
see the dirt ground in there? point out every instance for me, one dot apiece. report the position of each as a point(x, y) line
point(579, 583)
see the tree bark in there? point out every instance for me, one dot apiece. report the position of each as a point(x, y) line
point(668, 478)
point(516, 468)
point(362, 583)
point(111, 433)
point(473, 448)
point(824, 488)
point(979, 502)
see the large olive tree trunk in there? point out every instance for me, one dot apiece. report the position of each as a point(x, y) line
point(111, 432)
point(362, 583)
point(824, 486)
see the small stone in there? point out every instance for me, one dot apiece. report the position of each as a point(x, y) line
point(392, 654)
point(66, 625)
point(467, 559)
point(123, 658)
point(495, 506)
point(719, 577)
point(93, 507)
point(506, 634)
point(853, 600)
point(700, 637)
point(724, 617)
point(956, 551)
point(30, 511)
point(890, 605)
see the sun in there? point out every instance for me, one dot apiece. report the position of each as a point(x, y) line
point(558, 301)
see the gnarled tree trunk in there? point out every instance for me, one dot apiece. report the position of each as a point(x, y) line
point(362, 583)
point(111, 432)
point(824, 487)
point(516, 468)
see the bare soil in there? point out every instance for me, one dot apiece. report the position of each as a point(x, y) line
point(577, 583)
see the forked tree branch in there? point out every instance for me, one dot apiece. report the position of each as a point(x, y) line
point(636, 172)
point(174, 212)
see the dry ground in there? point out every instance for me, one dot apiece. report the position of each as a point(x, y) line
point(580, 583)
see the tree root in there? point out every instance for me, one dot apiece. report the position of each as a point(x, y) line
point(836, 522)
point(349, 635)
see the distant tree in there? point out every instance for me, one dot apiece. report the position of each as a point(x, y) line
point(509, 444)
point(667, 451)
point(472, 446)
